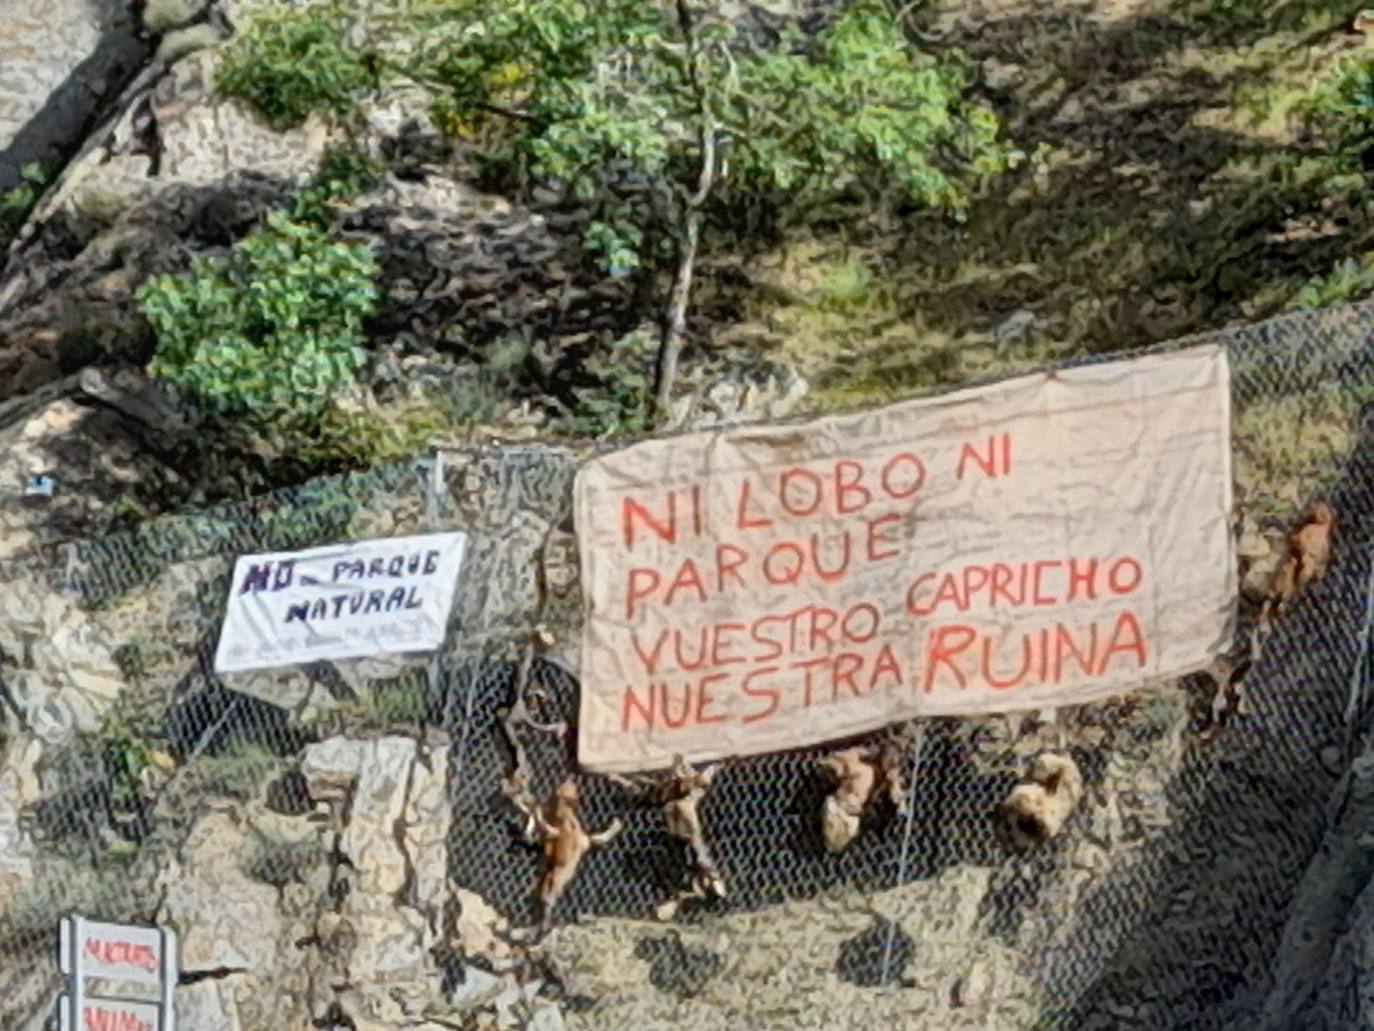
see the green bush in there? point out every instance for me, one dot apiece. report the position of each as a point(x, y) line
point(344, 172)
point(1340, 112)
point(281, 861)
point(1348, 279)
point(664, 122)
point(16, 203)
point(131, 735)
point(270, 332)
point(289, 64)
point(618, 403)
point(238, 770)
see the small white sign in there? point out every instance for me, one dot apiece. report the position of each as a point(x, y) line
point(340, 601)
point(112, 1015)
point(123, 953)
point(117, 952)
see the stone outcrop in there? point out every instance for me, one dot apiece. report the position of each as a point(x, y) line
point(92, 444)
point(59, 60)
point(289, 919)
point(391, 794)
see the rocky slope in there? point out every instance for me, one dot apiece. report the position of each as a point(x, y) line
point(319, 839)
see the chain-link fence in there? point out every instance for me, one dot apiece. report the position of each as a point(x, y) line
point(135, 784)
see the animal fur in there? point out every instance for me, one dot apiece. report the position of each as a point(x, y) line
point(558, 825)
point(861, 775)
point(1036, 809)
point(856, 776)
point(1309, 555)
point(679, 797)
point(682, 794)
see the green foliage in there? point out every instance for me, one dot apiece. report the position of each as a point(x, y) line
point(653, 116)
point(126, 512)
point(619, 402)
point(866, 102)
point(290, 63)
point(1348, 278)
point(238, 770)
point(1264, 15)
point(137, 659)
point(616, 103)
point(344, 173)
point(348, 437)
point(317, 511)
point(408, 698)
point(270, 332)
point(848, 285)
point(281, 861)
point(130, 735)
point(1340, 112)
point(16, 203)
point(665, 122)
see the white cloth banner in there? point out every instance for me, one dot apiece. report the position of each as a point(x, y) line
point(1048, 540)
point(340, 601)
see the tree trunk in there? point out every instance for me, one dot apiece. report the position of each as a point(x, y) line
point(675, 325)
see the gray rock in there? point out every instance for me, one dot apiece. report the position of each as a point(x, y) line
point(224, 918)
point(510, 1007)
point(180, 42)
point(58, 60)
point(478, 989)
point(205, 139)
point(388, 787)
point(1002, 75)
point(95, 456)
point(161, 15)
point(19, 788)
point(137, 396)
point(546, 1018)
point(206, 1006)
point(1015, 329)
point(1259, 575)
point(1253, 545)
point(974, 988)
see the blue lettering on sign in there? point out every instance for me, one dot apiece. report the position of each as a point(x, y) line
point(355, 603)
point(413, 564)
point(266, 578)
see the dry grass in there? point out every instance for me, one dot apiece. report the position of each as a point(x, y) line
point(1167, 193)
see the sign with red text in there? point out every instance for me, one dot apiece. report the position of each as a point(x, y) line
point(118, 952)
point(1047, 540)
point(340, 601)
point(127, 959)
point(111, 1015)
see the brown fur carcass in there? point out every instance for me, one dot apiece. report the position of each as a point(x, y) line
point(856, 775)
point(860, 775)
point(558, 825)
point(1036, 809)
point(1309, 555)
point(681, 795)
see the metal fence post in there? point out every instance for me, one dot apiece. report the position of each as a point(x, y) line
point(1356, 698)
point(170, 968)
point(917, 743)
point(78, 993)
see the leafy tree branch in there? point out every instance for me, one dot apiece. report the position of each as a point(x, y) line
point(664, 118)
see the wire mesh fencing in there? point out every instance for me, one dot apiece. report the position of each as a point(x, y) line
point(1164, 903)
